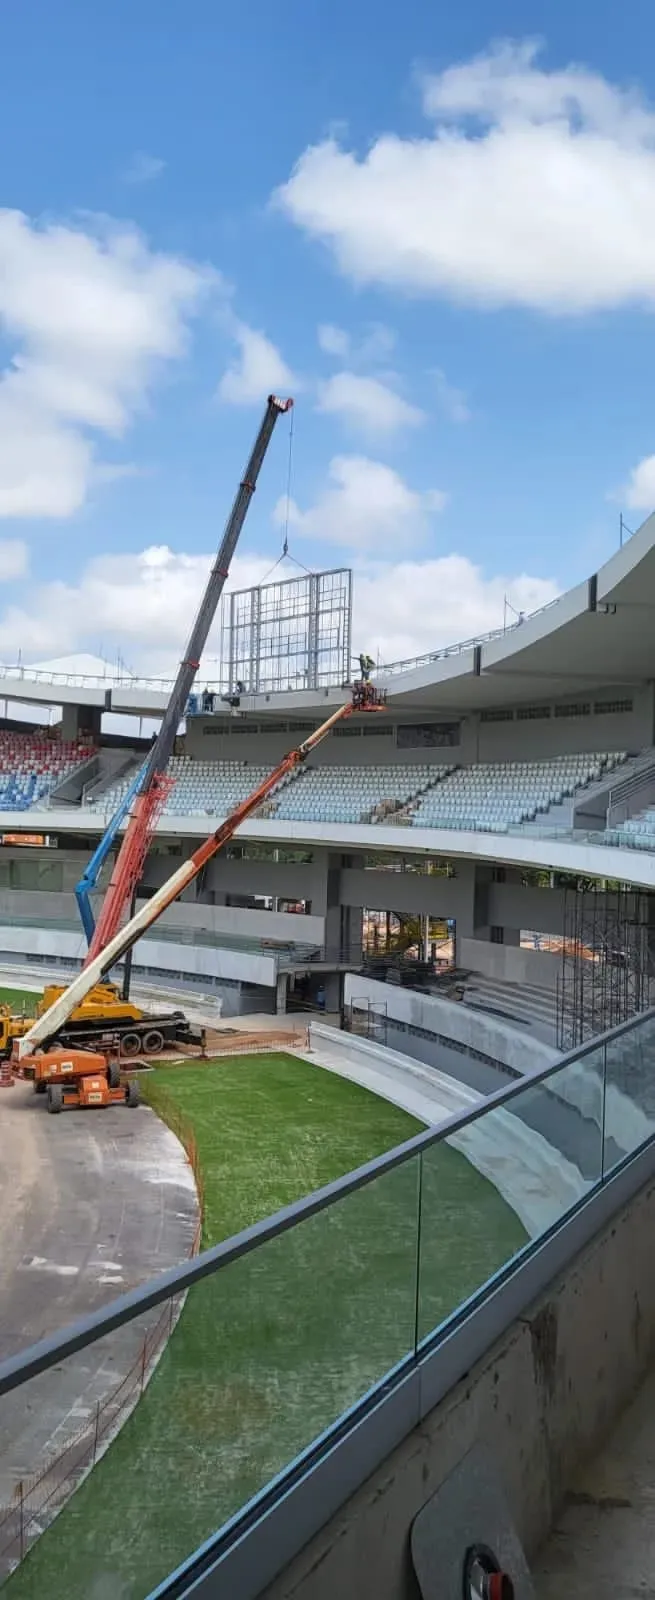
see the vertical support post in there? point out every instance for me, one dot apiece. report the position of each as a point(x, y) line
point(312, 642)
point(232, 671)
point(21, 1514)
point(96, 1432)
point(127, 966)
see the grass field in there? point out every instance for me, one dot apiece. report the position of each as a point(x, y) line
point(267, 1355)
point(20, 1000)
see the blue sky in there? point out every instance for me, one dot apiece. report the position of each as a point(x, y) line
point(472, 220)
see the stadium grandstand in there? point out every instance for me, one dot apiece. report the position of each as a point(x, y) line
point(458, 895)
point(506, 773)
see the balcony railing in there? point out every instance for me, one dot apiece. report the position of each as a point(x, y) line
point(308, 1320)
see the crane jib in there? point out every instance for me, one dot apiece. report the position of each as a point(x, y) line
point(135, 839)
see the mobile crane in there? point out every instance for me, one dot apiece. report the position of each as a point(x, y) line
point(65, 1073)
point(151, 788)
point(105, 1016)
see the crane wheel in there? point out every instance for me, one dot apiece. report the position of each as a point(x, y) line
point(39, 1086)
point(113, 1075)
point(130, 1044)
point(153, 1042)
point(133, 1095)
point(55, 1098)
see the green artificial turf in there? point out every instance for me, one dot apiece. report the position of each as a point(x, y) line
point(269, 1352)
point(20, 1000)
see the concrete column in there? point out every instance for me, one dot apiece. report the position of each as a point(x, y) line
point(343, 924)
point(333, 991)
point(281, 994)
point(76, 720)
point(465, 913)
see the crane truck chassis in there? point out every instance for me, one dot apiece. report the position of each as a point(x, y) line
point(104, 1022)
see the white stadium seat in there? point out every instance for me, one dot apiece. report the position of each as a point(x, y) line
point(491, 796)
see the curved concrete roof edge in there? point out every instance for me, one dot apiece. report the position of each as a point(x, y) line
point(612, 581)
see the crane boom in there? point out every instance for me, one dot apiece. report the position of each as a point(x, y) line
point(153, 788)
point(46, 1027)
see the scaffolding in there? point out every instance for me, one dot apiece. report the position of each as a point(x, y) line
point(367, 1019)
point(295, 634)
point(606, 973)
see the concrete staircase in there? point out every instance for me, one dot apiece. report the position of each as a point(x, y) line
point(525, 1005)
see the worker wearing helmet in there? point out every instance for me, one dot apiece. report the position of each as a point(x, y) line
point(366, 665)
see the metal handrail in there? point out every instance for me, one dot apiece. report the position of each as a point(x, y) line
point(49, 1352)
point(119, 678)
point(467, 644)
point(627, 789)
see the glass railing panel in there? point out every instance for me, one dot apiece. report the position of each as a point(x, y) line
point(504, 1180)
point(630, 1092)
point(266, 1355)
point(65, 1439)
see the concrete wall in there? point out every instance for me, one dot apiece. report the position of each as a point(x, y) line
point(521, 739)
point(197, 962)
point(472, 1029)
point(541, 1401)
point(510, 963)
point(230, 920)
point(527, 740)
point(406, 891)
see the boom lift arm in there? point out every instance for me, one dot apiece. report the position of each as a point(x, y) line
point(89, 879)
point(153, 788)
point(46, 1027)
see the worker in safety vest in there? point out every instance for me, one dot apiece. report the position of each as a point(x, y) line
point(366, 665)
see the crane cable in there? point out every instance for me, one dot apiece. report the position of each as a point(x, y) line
point(286, 553)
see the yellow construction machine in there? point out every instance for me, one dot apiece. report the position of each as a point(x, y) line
point(103, 1021)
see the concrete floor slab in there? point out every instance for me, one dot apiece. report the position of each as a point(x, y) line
point(91, 1205)
point(603, 1544)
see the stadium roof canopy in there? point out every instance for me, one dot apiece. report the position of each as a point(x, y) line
point(601, 633)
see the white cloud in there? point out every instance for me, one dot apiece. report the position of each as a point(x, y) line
point(374, 344)
point(367, 403)
point(14, 559)
point(377, 344)
point(259, 370)
point(410, 607)
point(89, 316)
point(143, 168)
point(639, 491)
point(535, 188)
point(452, 401)
point(334, 341)
point(137, 607)
point(365, 506)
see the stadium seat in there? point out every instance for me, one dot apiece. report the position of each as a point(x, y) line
point(202, 788)
point(492, 796)
point(31, 765)
point(495, 796)
point(354, 794)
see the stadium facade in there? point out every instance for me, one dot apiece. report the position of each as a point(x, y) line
point(511, 777)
